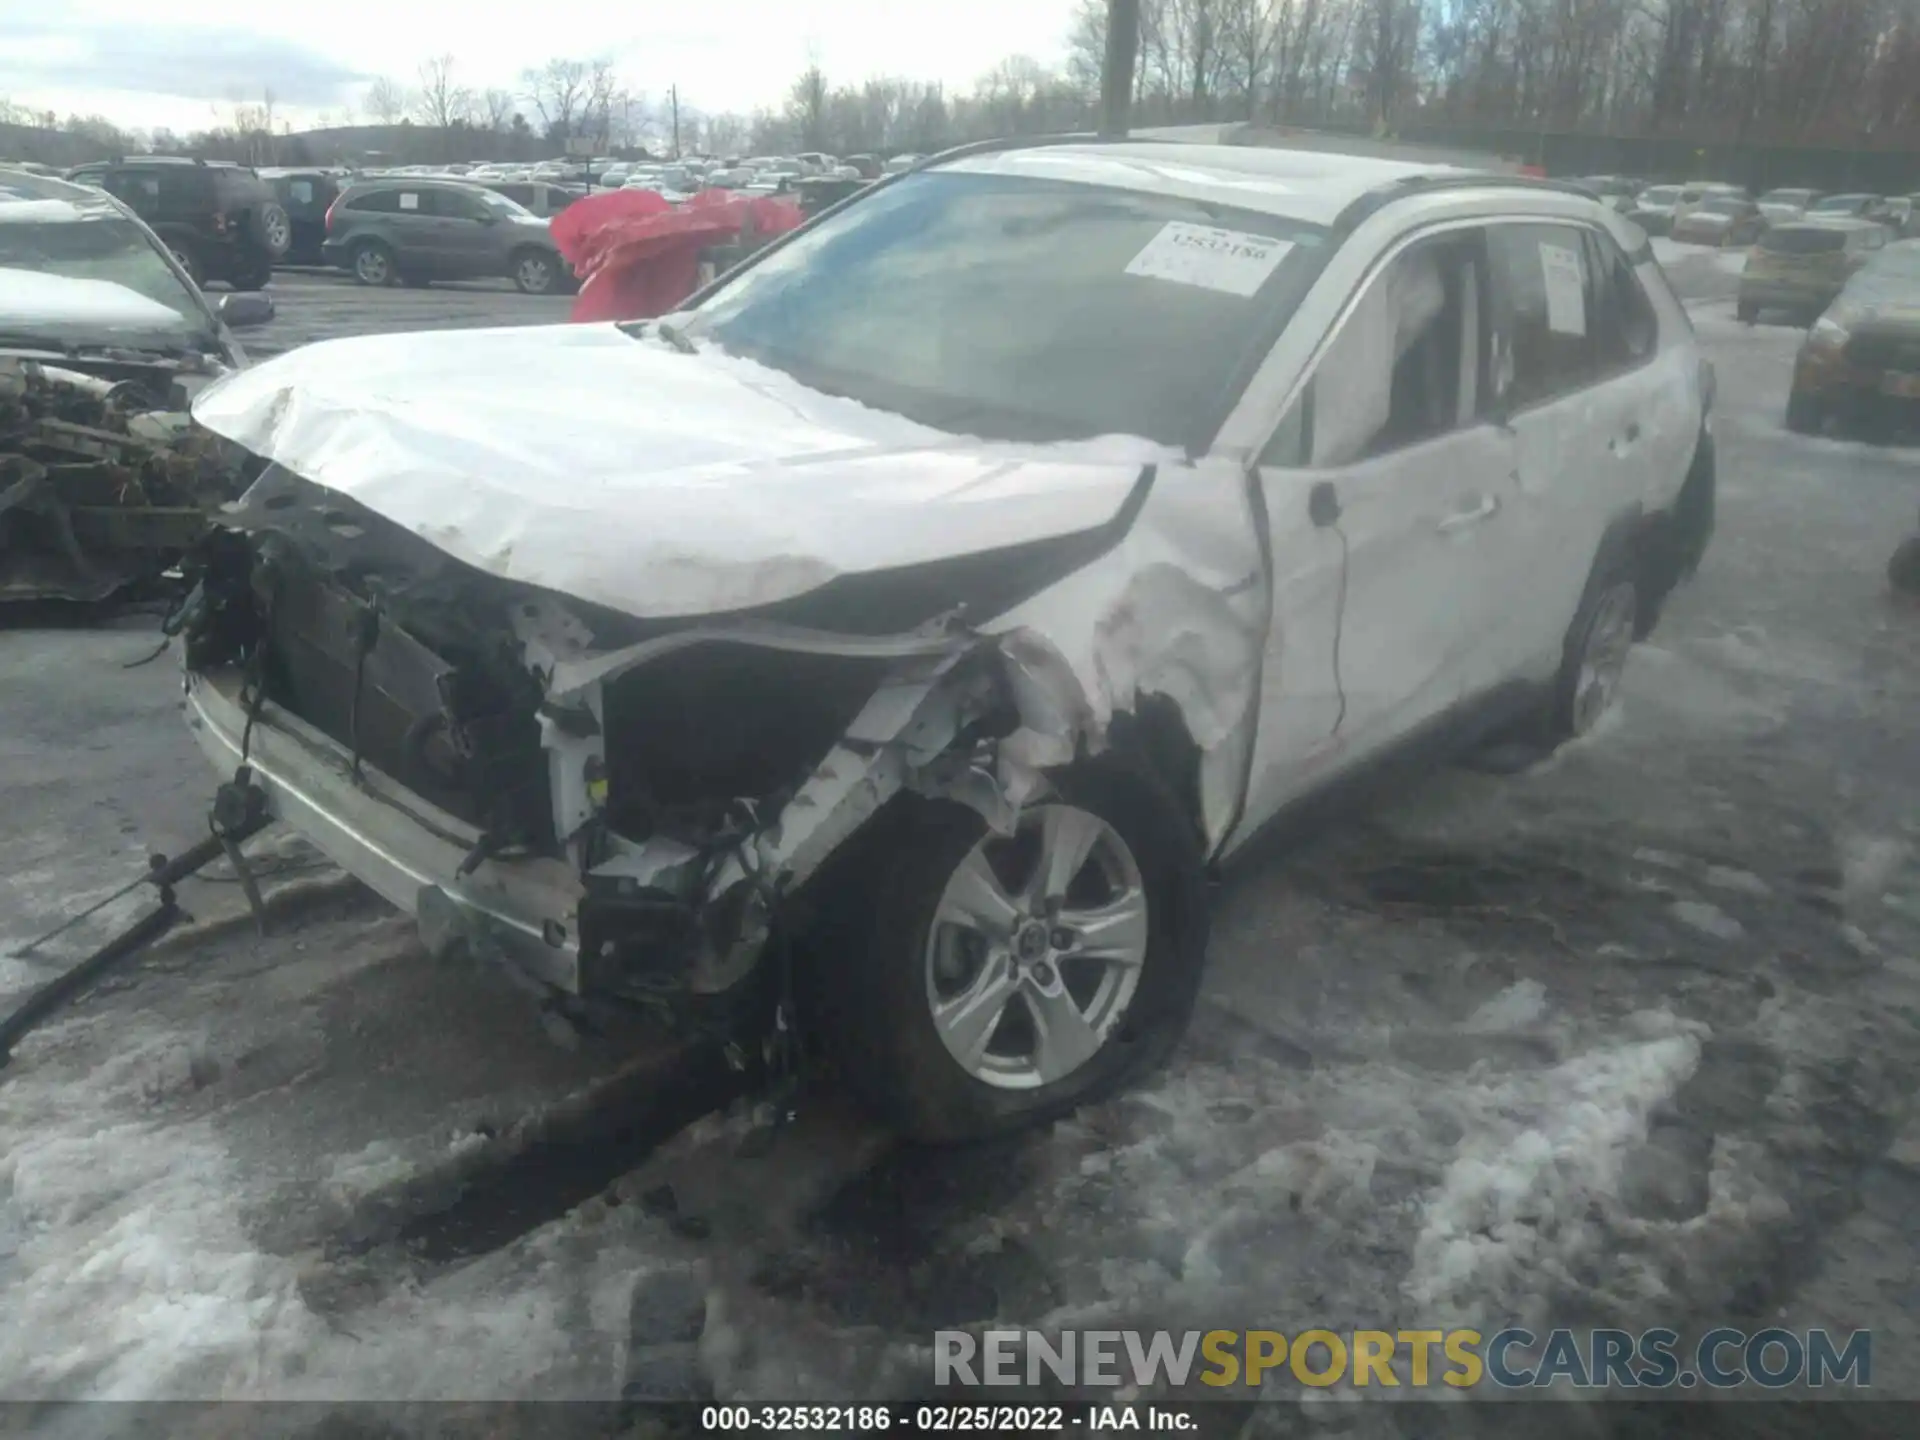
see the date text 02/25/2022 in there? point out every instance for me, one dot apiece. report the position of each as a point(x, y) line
point(944, 1419)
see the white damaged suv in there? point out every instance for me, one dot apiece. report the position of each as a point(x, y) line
point(883, 648)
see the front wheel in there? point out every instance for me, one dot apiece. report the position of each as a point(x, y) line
point(536, 273)
point(1595, 656)
point(996, 982)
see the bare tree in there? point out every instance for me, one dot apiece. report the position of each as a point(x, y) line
point(385, 102)
point(441, 101)
point(559, 91)
point(807, 108)
point(496, 108)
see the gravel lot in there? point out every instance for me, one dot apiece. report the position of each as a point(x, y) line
point(1629, 1039)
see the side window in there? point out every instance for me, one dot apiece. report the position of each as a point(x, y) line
point(300, 191)
point(1544, 345)
point(520, 194)
point(1406, 365)
point(452, 205)
point(1624, 325)
point(380, 202)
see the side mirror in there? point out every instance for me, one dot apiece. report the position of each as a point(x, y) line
point(244, 309)
point(1323, 505)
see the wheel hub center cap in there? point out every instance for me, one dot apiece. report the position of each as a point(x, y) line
point(1030, 942)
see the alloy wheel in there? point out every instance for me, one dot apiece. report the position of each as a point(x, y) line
point(370, 265)
point(535, 274)
point(1603, 658)
point(1036, 948)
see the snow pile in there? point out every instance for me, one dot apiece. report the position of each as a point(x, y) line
point(1513, 1215)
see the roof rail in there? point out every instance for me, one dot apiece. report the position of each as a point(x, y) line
point(1407, 186)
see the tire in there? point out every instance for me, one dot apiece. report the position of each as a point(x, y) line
point(1746, 312)
point(1903, 570)
point(272, 229)
point(1595, 652)
point(535, 271)
point(252, 272)
point(190, 262)
point(1804, 414)
point(894, 952)
point(373, 264)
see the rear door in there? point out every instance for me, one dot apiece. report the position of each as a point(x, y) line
point(409, 219)
point(1379, 610)
point(1571, 374)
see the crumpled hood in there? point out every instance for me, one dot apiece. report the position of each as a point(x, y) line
point(624, 472)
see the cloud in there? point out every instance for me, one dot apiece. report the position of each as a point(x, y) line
point(215, 63)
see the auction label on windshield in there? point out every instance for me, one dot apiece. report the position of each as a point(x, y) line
point(1235, 262)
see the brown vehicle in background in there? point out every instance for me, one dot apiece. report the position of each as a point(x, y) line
point(1860, 363)
point(1801, 267)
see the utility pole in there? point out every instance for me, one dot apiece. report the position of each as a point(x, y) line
point(1116, 75)
point(673, 99)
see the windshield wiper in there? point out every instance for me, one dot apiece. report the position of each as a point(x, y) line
point(674, 336)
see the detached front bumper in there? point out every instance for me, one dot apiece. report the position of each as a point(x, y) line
point(523, 910)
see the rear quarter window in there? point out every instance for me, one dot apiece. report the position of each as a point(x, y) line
point(377, 202)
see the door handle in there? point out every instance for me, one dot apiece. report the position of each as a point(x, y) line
point(1486, 509)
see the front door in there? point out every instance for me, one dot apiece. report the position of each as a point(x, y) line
point(1386, 489)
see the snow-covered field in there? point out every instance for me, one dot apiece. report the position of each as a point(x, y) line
point(1630, 1039)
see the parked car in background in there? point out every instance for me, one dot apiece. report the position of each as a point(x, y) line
point(965, 655)
point(1902, 216)
point(1719, 220)
point(414, 230)
point(1617, 192)
point(101, 328)
point(897, 163)
point(1783, 205)
point(544, 198)
point(868, 166)
point(305, 195)
point(222, 222)
point(1801, 266)
point(1859, 206)
point(1860, 363)
point(1654, 210)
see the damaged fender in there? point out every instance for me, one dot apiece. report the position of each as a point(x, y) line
point(1180, 609)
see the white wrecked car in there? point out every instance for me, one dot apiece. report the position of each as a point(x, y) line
point(946, 589)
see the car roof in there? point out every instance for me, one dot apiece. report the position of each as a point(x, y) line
point(1299, 184)
point(27, 196)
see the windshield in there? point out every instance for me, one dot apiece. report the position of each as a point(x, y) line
point(1024, 309)
point(119, 286)
point(1842, 203)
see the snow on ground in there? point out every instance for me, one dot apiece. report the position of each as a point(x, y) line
point(1673, 254)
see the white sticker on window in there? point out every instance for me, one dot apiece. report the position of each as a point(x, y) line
point(1566, 289)
point(409, 202)
point(1233, 261)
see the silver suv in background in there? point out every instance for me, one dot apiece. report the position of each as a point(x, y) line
point(415, 230)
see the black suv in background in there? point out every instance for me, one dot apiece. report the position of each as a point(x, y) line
point(306, 194)
point(221, 221)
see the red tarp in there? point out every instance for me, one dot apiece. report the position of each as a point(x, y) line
point(638, 256)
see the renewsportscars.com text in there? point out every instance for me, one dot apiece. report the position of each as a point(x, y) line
point(1510, 1359)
